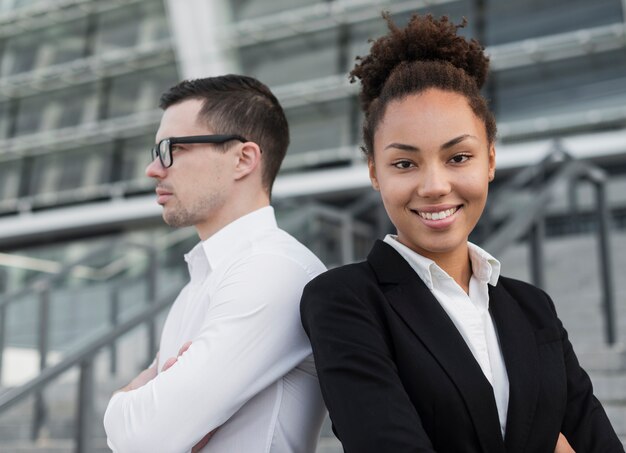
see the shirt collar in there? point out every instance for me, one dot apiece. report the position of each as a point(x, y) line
point(237, 234)
point(420, 264)
point(484, 266)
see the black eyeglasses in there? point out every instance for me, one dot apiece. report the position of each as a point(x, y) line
point(164, 148)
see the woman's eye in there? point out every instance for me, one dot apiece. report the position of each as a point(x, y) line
point(459, 158)
point(403, 164)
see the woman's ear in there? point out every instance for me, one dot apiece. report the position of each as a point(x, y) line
point(492, 162)
point(372, 171)
point(248, 159)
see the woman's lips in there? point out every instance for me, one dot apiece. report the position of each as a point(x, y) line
point(439, 218)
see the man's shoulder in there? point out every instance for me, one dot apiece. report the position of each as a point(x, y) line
point(278, 245)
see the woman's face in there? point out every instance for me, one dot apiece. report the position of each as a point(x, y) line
point(432, 164)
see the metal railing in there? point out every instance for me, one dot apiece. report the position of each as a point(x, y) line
point(84, 357)
point(516, 221)
point(42, 288)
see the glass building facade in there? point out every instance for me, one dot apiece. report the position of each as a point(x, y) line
point(80, 82)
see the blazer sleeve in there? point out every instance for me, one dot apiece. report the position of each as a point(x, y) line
point(367, 403)
point(585, 424)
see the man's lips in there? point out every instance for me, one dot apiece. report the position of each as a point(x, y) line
point(163, 195)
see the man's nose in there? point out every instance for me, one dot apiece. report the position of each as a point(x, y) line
point(155, 169)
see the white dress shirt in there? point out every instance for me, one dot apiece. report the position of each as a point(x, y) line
point(468, 312)
point(249, 371)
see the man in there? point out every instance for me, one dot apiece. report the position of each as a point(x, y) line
point(235, 370)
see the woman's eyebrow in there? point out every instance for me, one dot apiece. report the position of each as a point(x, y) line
point(446, 145)
point(456, 141)
point(402, 146)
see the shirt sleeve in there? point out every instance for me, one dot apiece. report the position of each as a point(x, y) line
point(251, 337)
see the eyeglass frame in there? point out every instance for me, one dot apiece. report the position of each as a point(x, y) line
point(191, 139)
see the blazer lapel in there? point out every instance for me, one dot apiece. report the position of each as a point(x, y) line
point(519, 349)
point(423, 314)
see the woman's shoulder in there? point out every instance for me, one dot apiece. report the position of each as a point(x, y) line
point(528, 296)
point(513, 284)
point(353, 284)
point(354, 274)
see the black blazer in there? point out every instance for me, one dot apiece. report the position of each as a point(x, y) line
point(397, 376)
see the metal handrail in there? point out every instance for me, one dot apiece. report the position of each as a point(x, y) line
point(13, 396)
point(41, 289)
point(517, 225)
point(530, 220)
point(84, 357)
point(68, 269)
point(103, 273)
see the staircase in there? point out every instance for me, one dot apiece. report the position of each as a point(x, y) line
point(572, 282)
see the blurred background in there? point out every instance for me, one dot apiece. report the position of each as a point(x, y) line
point(87, 268)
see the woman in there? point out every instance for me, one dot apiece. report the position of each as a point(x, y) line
point(424, 346)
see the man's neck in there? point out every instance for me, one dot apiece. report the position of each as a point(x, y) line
point(225, 217)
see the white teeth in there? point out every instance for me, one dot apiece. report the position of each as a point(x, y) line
point(437, 215)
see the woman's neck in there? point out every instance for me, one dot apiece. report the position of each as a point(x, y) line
point(457, 265)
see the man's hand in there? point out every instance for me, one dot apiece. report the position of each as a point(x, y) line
point(563, 446)
point(142, 378)
point(172, 360)
point(205, 440)
point(151, 372)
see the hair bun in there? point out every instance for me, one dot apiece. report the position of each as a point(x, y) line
point(423, 39)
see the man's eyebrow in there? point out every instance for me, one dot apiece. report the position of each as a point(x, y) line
point(446, 145)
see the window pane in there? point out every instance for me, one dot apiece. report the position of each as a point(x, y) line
point(320, 126)
point(511, 20)
point(135, 158)
point(578, 84)
point(62, 43)
point(9, 5)
point(131, 26)
point(249, 9)
point(65, 108)
point(299, 58)
point(79, 168)
point(140, 91)
point(20, 54)
point(9, 179)
point(4, 121)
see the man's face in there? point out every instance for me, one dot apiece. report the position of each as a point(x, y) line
point(195, 189)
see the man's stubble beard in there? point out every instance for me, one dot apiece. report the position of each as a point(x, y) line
point(179, 216)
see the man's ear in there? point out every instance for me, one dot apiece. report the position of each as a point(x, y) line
point(371, 165)
point(248, 159)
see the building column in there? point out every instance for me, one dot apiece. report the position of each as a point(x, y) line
point(201, 39)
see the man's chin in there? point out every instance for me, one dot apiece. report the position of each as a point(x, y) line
point(175, 221)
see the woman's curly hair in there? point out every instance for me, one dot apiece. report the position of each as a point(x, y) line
point(427, 53)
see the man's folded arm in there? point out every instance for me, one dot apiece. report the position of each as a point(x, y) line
point(251, 337)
